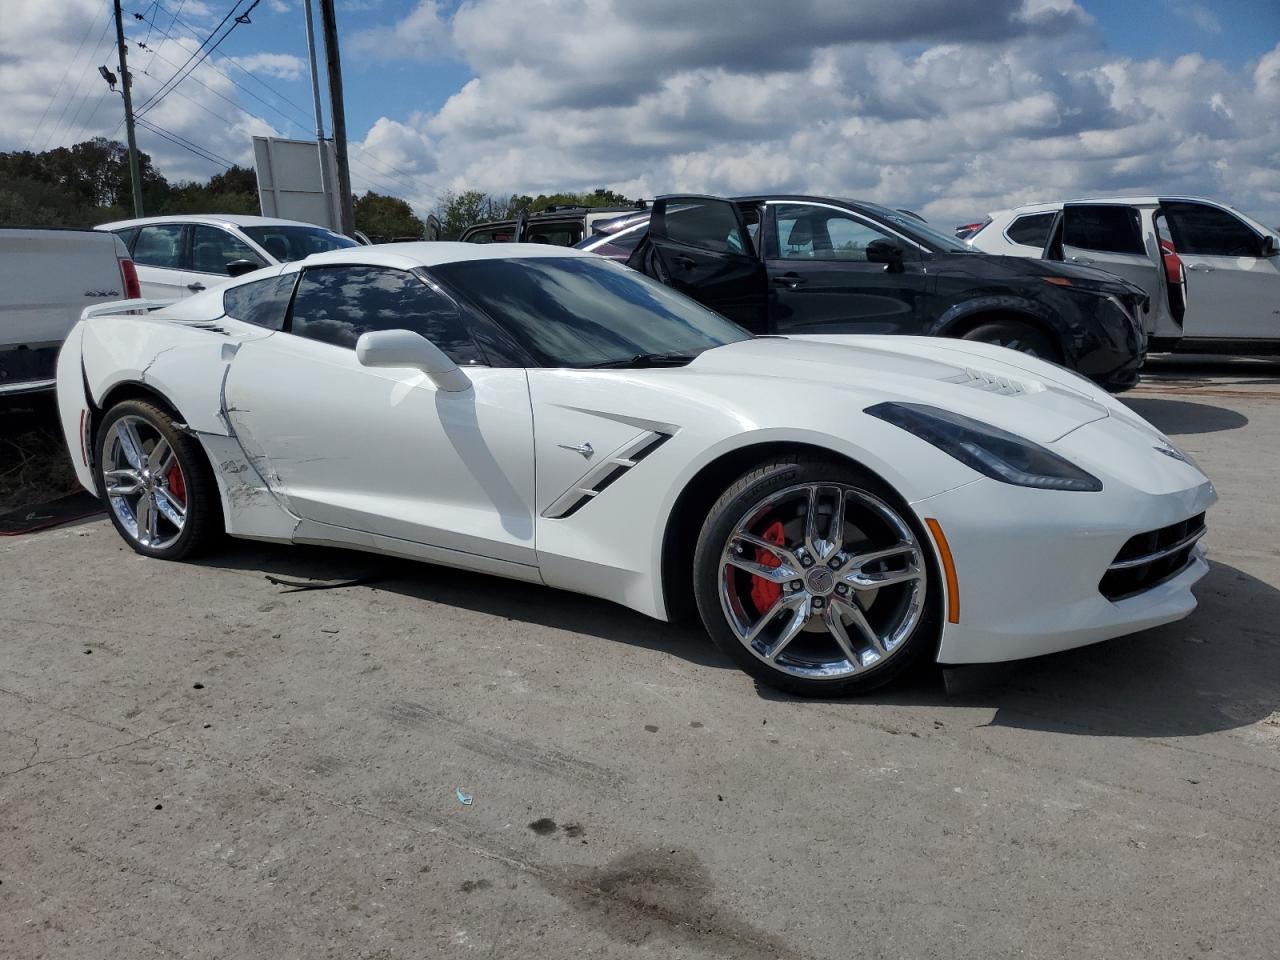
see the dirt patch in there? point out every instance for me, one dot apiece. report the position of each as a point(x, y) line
point(34, 464)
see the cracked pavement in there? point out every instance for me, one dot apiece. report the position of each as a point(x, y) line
point(197, 763)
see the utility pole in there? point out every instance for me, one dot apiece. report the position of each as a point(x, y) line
point(315, 99)
point(329, 23)
point(135, 174)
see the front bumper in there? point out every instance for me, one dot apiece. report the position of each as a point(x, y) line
point(1029, 562)
point(1113, 344)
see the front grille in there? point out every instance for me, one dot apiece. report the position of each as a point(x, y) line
point(1149, 559)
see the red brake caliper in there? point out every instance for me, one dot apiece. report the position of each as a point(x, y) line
point(765, 593)
point(177, 485)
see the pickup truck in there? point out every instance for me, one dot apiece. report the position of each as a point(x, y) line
point(47, 277)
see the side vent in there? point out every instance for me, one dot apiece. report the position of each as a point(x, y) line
point(992, 383)
point(603, 475)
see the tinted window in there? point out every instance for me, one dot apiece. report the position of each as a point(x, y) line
point(212, 248)
point(1210, 232)
point(287, 242)
point(808, 232)
point(619, 246)
point(1106, 229)
point(1031, 229)
point(262, 302)
point(578, 311)
point(337, 304)
point(491, 235)
point(127, 234)
point(556, 234)
point(159, 246)
point(707, 224)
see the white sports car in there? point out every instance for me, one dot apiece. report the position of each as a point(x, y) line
point(836, 507)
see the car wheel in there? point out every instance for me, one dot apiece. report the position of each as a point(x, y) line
point(1015, 336)
point(813, 578)
point(160, 492)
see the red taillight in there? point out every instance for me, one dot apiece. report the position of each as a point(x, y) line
point(129, 276)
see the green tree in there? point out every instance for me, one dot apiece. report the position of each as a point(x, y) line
point(457, 211)
point(382, 217)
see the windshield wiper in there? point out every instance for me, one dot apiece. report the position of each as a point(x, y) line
point(641, 360)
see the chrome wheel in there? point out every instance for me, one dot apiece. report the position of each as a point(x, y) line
point(822, 581)
point(144, 482)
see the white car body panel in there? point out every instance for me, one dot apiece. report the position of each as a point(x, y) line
point(47, 277)
point(309, 447)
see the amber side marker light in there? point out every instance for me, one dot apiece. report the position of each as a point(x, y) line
point(948, 569)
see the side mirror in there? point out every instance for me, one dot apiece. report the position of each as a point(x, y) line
point(404, 348)
point(887, 252)
point(238, 268)
point(1269, 246)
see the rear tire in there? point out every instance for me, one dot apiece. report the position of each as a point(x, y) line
point(160, 491)
point(1016, 336)
point(828, 618)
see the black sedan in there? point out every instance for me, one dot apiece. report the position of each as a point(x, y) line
point(799, 264)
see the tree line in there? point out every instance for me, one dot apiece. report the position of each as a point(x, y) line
point(88, 183)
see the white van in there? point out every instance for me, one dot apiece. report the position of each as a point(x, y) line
point(47, 277)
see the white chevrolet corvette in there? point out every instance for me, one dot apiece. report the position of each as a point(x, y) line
point(836, 507)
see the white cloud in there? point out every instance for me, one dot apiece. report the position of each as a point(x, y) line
point(422, 35)
point(954, 108)
point(283, 66)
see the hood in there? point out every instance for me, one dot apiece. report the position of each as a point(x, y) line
point(997, 386)
point(1028, 268)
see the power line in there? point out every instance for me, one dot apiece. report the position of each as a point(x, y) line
point(190, 146)
point(80, 82)
point(214, 67)
point(199, 55)
point(62, 80)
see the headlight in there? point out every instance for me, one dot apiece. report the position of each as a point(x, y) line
point(991, 451)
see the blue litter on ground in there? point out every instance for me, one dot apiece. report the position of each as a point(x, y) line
point(464, 798)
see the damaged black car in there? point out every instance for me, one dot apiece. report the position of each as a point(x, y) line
point(801, 264)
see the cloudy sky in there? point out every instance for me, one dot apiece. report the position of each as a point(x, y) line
point(951, 107)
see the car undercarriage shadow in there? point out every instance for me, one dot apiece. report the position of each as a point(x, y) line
point(1183, 417)
point(495, 596)
point(1217, 670)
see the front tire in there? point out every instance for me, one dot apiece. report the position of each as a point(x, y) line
point(808, 605)
point(1015, 336)
point(160, 492)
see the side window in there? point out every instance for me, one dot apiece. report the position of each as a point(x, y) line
point(556, 234)
point(128, 235)
point(337, 304)
point(1105, 229)
point(492, 235)
point(212, 248)
point(159, 245)
point(1031, 229)
point(1207, 231)
point(621, 244)
point(807, 232)
point(263, 303)
point(706, 224)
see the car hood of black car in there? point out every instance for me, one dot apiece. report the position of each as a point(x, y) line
point(996, 267)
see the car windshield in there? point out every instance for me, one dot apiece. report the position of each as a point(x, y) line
point(586, 311)
point(920, 231)
point(286, 242)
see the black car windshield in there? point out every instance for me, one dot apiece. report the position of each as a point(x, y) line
point(918, 230)
point(586, 311)
point(286, 242)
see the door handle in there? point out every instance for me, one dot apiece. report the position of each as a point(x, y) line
point(1201, 268)
point(195, 287)
point(789, 279)
point(683, 261)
